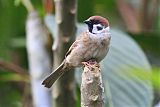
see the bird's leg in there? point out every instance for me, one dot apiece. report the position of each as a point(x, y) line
point(85, 63)
point(91, 62)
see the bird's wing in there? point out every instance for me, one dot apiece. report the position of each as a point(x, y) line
point(75, 44)
point(84, 37)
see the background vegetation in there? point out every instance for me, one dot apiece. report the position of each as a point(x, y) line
point(139, 19)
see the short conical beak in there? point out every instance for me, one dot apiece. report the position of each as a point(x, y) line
point(88, 22)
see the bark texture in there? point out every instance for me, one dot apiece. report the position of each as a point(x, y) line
point(92, 90)
point(39, 60)
point(64, 88)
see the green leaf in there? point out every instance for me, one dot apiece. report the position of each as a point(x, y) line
point(18, 42)
point(10, 77)
point(17, 2)
point(124, 56)
point(153, 76)
point(150, 42)
point(11, 97)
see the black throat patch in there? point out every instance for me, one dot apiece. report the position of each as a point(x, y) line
point(90, 27)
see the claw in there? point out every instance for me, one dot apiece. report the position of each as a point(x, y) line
point(92, 61)
point(85, 63)
point(98, 65)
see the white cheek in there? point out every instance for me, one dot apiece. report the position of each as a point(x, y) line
point(95, 30)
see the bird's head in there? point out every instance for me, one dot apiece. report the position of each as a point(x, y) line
point(97, 24)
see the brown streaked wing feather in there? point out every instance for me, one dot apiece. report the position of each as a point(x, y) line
point(71, 48)
point(81, 38)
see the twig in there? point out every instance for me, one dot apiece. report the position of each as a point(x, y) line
point(48, 6)
point(144, 14)
point(13, 68)
point(129, 16)
point(64, 88)
point(92, 89)
point(153, 15)
point(28, 5)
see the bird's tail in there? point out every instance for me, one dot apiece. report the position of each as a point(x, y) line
point(48, 82)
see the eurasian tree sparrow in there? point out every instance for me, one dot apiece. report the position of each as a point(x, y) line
point(92, 44)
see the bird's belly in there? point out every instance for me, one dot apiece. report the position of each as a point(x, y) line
point(97, 52)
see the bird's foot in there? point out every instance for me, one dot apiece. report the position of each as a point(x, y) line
point(91, 62)
point(85, 63)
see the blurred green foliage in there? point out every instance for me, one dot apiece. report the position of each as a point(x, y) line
point(12, 24)
point(7, 76)
point(106, 8)
point(147, 76)
point(12, 34)
point(10, 95)
point(150, 42)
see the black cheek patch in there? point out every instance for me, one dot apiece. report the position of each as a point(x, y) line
point(99, 28)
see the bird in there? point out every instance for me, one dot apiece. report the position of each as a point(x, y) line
point(92, 44)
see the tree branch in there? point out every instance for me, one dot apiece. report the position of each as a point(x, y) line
point(64, 88)
point(92, 89)
point(12, 67)
point(48, 6)
point(38, 58)
point(129, 16)
point(28, 5)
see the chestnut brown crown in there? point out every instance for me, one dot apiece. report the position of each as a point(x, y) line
point(100, 20)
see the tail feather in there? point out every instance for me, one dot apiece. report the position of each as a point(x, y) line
point(48, 82)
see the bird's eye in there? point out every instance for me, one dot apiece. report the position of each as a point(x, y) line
point(99, 28)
